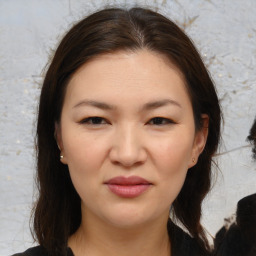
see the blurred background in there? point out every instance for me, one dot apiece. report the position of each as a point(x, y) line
point(224, 31)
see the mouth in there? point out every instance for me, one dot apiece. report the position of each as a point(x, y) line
point(128, 187)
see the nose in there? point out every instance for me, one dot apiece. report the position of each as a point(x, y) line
point(128, 148)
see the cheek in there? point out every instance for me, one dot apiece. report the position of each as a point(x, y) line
point(173, 155)
point(83, 151)
point(84, 158)
point(172, 159)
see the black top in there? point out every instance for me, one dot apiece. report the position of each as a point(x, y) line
point(182, 245)
point(39, 251)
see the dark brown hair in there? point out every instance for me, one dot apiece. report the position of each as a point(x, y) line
point(252, 138)
point(57, 213)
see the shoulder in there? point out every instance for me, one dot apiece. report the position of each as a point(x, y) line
point(183, 244)
point(33, 251)
point(39, 251)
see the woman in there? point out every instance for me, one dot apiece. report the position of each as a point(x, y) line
point(128, 123)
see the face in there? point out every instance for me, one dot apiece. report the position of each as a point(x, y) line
point(128, 137)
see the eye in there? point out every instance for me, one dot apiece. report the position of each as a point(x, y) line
point(94, 120)
point(160, 121)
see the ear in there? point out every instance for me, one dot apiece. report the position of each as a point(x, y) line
point(200, 140)
point(58, 138)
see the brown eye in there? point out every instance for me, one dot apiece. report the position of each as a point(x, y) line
point(160, 121)
point(95, 120)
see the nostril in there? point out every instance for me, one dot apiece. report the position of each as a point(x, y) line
point(128, 165)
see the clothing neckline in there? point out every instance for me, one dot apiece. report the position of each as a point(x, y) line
point(70, 252)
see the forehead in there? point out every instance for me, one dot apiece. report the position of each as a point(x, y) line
point(139, 57)
point(124, 74)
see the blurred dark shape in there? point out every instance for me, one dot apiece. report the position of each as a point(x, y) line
point(252, 138)
point(240, 238)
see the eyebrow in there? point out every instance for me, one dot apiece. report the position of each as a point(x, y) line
point(147, 106)
point(97, 104)
point(160, 103)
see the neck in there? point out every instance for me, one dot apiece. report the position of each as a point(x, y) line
point(98, 239)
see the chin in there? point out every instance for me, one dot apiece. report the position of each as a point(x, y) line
point(127, 222)
point(129, 217)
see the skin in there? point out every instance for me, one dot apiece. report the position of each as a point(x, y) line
point(127, 90)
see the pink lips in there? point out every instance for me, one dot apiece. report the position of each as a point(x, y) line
point(128, 187)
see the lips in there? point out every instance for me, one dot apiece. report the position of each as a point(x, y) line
point(128, 187)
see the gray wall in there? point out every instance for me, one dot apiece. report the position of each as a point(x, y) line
point(224, 32)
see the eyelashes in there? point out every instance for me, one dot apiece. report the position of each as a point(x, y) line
point(94, 120)
point(98, 121)
point(159, 121)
